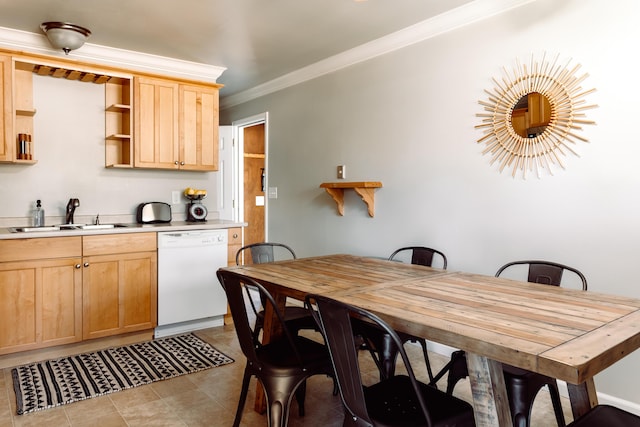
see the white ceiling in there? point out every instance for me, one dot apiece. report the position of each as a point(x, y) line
point(256, 40)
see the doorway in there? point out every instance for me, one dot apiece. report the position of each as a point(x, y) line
point(252, 176)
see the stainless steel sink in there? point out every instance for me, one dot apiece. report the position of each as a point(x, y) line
point(30, 229)
point(101, 226)
point(63, 227)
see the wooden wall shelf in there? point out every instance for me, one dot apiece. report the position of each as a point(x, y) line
point(364, 189)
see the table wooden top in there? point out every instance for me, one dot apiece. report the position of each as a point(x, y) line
point(332, 274)
point(564, 333)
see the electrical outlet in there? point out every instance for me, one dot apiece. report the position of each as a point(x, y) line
point(175, 197)
point(341, 171)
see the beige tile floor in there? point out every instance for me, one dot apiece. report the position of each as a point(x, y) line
point(209, 398)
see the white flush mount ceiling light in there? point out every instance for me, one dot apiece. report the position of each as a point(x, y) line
point(65, 36)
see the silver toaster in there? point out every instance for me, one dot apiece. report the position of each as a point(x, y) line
point(153, 212)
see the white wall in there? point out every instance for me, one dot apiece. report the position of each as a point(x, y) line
point(407, 119)
point(69, 147)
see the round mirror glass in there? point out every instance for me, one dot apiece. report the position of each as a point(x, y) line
point(531, 114)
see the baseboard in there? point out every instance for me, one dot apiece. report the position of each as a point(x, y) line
point(605, 399)
point(445, 350)
point(31, 356)
point(190, 326)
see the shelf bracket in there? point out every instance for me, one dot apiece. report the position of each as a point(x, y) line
point(364, 189)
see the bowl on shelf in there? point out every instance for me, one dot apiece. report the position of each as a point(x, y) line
point(193, 197)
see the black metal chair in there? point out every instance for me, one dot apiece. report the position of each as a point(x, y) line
point(281, 366)
point(297, 317)
point(399, 400)
point(379, 346)
point(606, 415)
point(264, 252)
point(420, 255)
point(522, 385)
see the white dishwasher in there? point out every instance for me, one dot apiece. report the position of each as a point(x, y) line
point(190, 296)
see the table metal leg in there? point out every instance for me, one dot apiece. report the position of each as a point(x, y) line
point(490, 403)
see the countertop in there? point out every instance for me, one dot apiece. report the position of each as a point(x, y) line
point(213, 224)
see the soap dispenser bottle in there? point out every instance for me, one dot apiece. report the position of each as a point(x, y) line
point(38, 215)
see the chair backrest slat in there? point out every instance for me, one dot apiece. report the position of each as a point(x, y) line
point(263, 252)
point(420, 255)
point(545, 272)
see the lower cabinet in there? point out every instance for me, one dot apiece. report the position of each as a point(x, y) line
point(120, 284)
point(40, 293)
point(234, 242)
point(61, 290)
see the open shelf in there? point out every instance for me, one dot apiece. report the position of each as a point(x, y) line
point(118, 124)
point(26, 113)
point(118, 108)
point(364, 189)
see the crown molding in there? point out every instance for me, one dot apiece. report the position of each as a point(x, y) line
point(135, 61)
point(466, 14)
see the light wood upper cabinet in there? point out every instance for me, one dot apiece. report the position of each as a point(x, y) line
point(16, 106)
point(176, 125)
point(198, 127)
point(6, 120)
point(151, 121)
point(155, 123)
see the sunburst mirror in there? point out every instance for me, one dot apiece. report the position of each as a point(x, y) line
point(533, 116)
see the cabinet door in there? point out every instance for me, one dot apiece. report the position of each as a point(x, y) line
point(156, 123)
point(6, 112)
point(198, 124)
point(40, 304)
point(119, 293)
point(234, 240)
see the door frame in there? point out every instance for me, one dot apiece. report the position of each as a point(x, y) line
point(238, 155)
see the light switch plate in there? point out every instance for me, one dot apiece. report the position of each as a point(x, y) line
point(175, 197)
point(341, 171)
point(273, 192)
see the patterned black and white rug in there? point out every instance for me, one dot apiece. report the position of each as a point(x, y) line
point(57, 382)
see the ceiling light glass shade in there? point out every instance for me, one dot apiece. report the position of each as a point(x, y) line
point(65, 36)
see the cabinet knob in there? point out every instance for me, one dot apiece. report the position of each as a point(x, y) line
point(78, 266)
point(235, 235)
point(176, 163)
point(182, 163)
point(86, 264)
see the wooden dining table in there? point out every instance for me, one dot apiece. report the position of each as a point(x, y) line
point(563, 333)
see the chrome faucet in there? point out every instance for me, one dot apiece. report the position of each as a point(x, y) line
point(71, 208)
